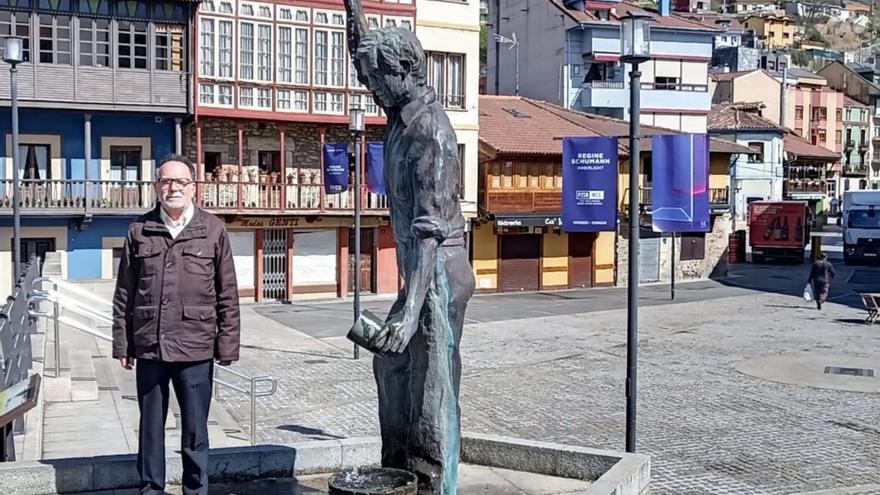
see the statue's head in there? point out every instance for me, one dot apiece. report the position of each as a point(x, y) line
point(392, 64)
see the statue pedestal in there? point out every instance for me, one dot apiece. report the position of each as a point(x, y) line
point(373, 481)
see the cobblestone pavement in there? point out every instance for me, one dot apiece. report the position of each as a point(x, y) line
point(709, 428)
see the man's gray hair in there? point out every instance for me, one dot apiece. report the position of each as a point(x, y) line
point(393, 50)
point(174, 157)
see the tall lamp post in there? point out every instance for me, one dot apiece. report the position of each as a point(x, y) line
point(635, 48)
point(14, 55)
point(357, 126)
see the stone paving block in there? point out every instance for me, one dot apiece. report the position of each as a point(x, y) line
point(45, 477)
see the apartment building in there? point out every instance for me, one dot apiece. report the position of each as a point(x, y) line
point(103, 91)
point(571, 50)
point(774, 29)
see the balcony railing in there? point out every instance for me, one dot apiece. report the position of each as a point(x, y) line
point(800, 186)
point(604, 84)
point(548, 201)
point(249, 196)
point(857, 170)
point(71, 195)
point(127, 197)
point(718, 197)
point(702, 88)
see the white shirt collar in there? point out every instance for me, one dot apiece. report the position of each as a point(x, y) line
point(181, 223)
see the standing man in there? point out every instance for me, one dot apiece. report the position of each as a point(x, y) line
point(821, 274)
point(175, 311)
point(418, 374)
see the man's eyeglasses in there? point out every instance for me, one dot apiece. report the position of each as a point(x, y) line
point(180, 183)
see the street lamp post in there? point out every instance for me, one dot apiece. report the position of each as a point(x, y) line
point(514, 43)
point(357, 126)
point(635, 41)
point(14, 55)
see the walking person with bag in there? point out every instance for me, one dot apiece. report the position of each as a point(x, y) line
point(821, 274)
point(175, 313)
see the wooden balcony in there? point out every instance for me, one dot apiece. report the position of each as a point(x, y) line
point(719, 197)
point(511, 201)
point(108, 197)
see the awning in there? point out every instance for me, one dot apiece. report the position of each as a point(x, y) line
point(528, 220)
point(606, 57)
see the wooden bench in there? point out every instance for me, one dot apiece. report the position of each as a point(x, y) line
point(872, 304)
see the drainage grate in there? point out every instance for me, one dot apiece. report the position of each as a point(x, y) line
point(834, 370)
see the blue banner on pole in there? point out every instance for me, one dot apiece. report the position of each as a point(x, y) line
point(335, 167)
point(589, 184)
point(376, 167)
point(680, 186)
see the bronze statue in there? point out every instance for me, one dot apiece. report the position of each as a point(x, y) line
point(418, 368)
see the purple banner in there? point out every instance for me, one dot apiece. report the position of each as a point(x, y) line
point(376, 167)
point(680, 186)
point(589, 184)
point(335, 167)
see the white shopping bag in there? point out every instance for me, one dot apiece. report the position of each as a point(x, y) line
point(808, 293)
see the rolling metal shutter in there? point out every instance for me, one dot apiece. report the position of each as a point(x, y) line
point(520, 262)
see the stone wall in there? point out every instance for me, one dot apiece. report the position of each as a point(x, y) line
point(714, 264)
point(302, 141)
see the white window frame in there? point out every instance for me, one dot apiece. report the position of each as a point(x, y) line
point(305, 11)
point(295, 100)
point(230, 4)
point(314, 57)
point(318, 96)
point(279, 65)
point(203, 87)
point(260, 95)
point(217, 48)
point(203, 20)
point(343, 69)
point(252, 90)
point(289, 99)
point(371, 19)
point(307, 58)
point(337, 100)
point(208, 6)
point(260, 55)
point(253, 64)
point(231, 103)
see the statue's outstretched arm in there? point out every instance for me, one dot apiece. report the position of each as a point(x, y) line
point(357, 26)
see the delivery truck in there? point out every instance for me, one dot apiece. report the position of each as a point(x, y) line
point(778, 230)
point(860, 222)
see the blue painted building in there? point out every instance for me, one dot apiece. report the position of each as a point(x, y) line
point(102, 82)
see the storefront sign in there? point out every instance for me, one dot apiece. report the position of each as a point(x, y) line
point(376, 167)
point(680, 188)
point(529, 221)
point(589, 184)
point(301, 222)
point(335, 167)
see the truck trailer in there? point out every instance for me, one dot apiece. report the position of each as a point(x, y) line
point(779, 230)
point(860, 221)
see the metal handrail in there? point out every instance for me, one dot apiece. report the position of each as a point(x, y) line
point(58, 301)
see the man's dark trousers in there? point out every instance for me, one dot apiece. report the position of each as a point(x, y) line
point(192, 386)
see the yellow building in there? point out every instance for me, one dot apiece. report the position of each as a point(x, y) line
point(517, 241)
point(775, 29)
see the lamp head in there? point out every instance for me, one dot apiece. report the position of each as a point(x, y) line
point(14, 50)
point(357, 123)
point(635, 37)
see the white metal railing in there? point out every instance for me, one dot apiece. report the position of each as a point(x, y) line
point(59, 300)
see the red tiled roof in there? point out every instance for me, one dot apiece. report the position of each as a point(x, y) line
point(738, 116)
point(849, 102)
point(801, 148)
point(541, 126)
point(673, 20)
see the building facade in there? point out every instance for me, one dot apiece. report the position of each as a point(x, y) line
point(104, 89)
point(757, 175)
point(575, 63)
point(275, 85)
point(774, 29)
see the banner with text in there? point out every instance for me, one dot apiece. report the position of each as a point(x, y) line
point(335, 167)
point(680, 186)
point(589, 184)
point(376, 167)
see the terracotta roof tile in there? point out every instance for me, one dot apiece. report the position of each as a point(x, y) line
point(801, 148)
point(738, 117)
point(517, 125)
point(669, 21)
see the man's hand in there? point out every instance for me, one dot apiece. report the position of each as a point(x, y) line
point(127, 362)
point(400, 333)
